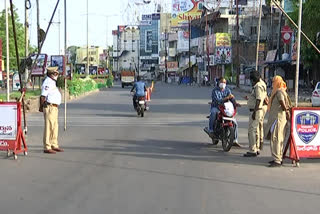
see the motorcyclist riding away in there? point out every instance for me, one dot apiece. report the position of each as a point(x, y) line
point(140, 88)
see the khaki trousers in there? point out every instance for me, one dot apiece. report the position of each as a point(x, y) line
point(254, 131)
point(276, 144)
point(261, 122)
point(50, 135)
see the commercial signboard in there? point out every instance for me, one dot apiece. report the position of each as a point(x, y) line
point(172, 66)
point(40, 65)
point(305, 131)
point(148, 41)
point(185, 10)
point(58, 60)
point(183, 41)
point(223, 49)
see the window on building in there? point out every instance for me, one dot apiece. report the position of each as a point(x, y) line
point(133, 40)
point(124, 60)
point(253, 30)
point(133, 50)
point(125, 40)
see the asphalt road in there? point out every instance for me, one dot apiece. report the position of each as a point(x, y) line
point(117, 163)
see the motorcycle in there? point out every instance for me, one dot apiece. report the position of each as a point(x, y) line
point(141, 105)
point(225, 126)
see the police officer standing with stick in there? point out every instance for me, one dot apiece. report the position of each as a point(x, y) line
point(49, 102)
point(257, 104)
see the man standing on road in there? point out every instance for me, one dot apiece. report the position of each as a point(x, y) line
point(257, 104)
point(49, 102)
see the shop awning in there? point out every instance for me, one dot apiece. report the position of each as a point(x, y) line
point(181, 69)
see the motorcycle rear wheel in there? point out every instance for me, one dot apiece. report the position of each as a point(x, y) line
point(227, 138)
point(142, 112)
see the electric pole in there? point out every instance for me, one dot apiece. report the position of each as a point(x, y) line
point(65, 62)
point(38, 25)
point(26, 36)
point(87, 70)
point(165, 56)
point(190, 50)
point(8, 54)
point(238, 45)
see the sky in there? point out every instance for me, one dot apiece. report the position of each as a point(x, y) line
point(77, 21)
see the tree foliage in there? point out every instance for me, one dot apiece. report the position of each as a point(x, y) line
point(20, 31)
point(310, 26)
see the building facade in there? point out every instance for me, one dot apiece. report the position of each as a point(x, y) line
point(126, 41)
point(149, 43)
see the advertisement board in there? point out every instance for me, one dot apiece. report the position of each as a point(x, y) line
point(223, 50)
point(185, 10)
point(40, 65)
point(305, 131)
point(8, 122)
point(183, 41)
point(93, 70)
point(172, 66)
point(148, 43)
point(80, 68)
point(58, 61)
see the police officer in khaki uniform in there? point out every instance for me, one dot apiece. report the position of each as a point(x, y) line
point(279, 113)
point(257, 106)
point(49, 102)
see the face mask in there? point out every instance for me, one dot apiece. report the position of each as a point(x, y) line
point(222, 85)
point(55, 78)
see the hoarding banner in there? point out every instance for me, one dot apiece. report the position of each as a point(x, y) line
point(156, 16)
point(185, 10)
point(223, 40)
point(146, 17)
point(223, 50)
point(305, 131)
point(172, 66)
point(58, 60)
point(40, 65)
point(145, 22)
point(183, 41)
point(148, 44)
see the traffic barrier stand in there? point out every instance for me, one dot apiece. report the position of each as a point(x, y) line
point(12, 139)
point(304, 140)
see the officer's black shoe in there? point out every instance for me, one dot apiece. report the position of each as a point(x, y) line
point(258, 153)
point(270, 162)
point(250, 154)
point(275, 164)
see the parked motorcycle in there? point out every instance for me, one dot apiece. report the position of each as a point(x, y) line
point(225, 126)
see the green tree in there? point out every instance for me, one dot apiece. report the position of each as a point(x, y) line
point(20, 39)
point(310, 26)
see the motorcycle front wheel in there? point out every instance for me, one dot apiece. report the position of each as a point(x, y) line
point(227, 138)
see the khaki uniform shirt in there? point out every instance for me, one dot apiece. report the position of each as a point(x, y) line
point(276, 111)
point(259, 92)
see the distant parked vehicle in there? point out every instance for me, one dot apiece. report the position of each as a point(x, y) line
point(315, 98)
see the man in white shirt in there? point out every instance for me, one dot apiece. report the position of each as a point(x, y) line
point(49, 102)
